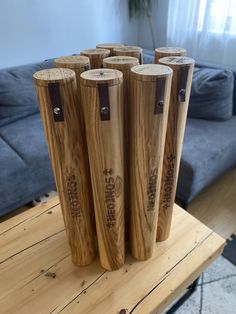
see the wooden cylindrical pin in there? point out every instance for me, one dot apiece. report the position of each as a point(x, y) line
point(62, 118)
point(180, 93)
point(130, 51)
point(163, 52)
point(96, 56)
point(103, 110)
point(150, 92)
point(124, 64)
point(79, 64)
point(110, 47)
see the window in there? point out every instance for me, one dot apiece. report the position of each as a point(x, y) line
point(217, 16)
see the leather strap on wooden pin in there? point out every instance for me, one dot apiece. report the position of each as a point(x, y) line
point(183, 77)
point(86, 67)
point(140, 58)
point(103, 93)
point(160, 91)
point(55, 98)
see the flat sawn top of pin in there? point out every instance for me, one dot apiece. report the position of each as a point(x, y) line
point(104, 75)
point(54, 75)
point(176, 60)
point(149, 72)
point(174, 50)
point(129, 48)
point(94, 53)
point(109, 45)
point(72, 61)
point(121, 60)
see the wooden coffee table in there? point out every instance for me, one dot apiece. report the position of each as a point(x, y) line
point(37, 275)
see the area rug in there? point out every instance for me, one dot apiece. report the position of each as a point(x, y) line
point(216, 291)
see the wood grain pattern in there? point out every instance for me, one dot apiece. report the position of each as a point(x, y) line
point(110, 47)
point(26, 285)
point(79, 64)
point(130, 51)
point(105, 146)
point(124, 64)
point(163, 52)
point(215, 206)
point(95, 56)
point(168, 291)
point(68, 152)
point(148, 130)
point(174, 139)
point(22, 216)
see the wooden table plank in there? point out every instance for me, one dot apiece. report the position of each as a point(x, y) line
point(24, 267)
point(178, 279)
point(123, 289)
point(97, 291)
point(28, 214)
point(31, 231)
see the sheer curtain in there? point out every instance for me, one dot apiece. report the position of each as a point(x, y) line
point(206, 28)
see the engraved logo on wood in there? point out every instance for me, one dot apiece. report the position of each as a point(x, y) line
point(152, 188)
point(168, 182)
point(73, 195)
point(118, 186)
point(113, 189)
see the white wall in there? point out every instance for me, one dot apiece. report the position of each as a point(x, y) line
point(159, 20)
point(34, 30)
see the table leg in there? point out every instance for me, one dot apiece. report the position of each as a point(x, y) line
point(190, 290)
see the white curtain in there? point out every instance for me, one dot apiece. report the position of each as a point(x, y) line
point(206, 28)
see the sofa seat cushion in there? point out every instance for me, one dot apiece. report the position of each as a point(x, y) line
point(209, 150)
point(24, 162)
point(12, 166)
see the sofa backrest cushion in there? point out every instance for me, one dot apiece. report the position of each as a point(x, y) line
point(211, 94)
point(17, 92)
point(234, 98)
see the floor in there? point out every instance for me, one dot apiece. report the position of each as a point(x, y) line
point(216, 291)
point(216, 206)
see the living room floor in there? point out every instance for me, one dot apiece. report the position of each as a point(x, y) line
point(216, 205)
point(216, 291)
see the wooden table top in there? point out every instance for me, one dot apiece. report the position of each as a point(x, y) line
point(37, 275)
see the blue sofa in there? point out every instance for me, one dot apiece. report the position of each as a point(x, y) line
point(209, 147)
point(25, 172)
point(25, 169)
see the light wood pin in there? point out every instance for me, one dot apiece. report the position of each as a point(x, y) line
point(63, 123)
point(110, 47)
point(103, 110)
point(130, 51)
point(150, 91)
point(95, 56)
point(163, 52)
point(180, 93)
point(124, 64)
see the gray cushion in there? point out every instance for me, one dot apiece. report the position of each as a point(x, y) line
point(211, 94)
point(17, 94)
point(234, 98)
point(209, 150)
point(25, 168)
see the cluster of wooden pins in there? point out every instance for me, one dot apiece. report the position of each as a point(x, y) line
point(114, 128)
